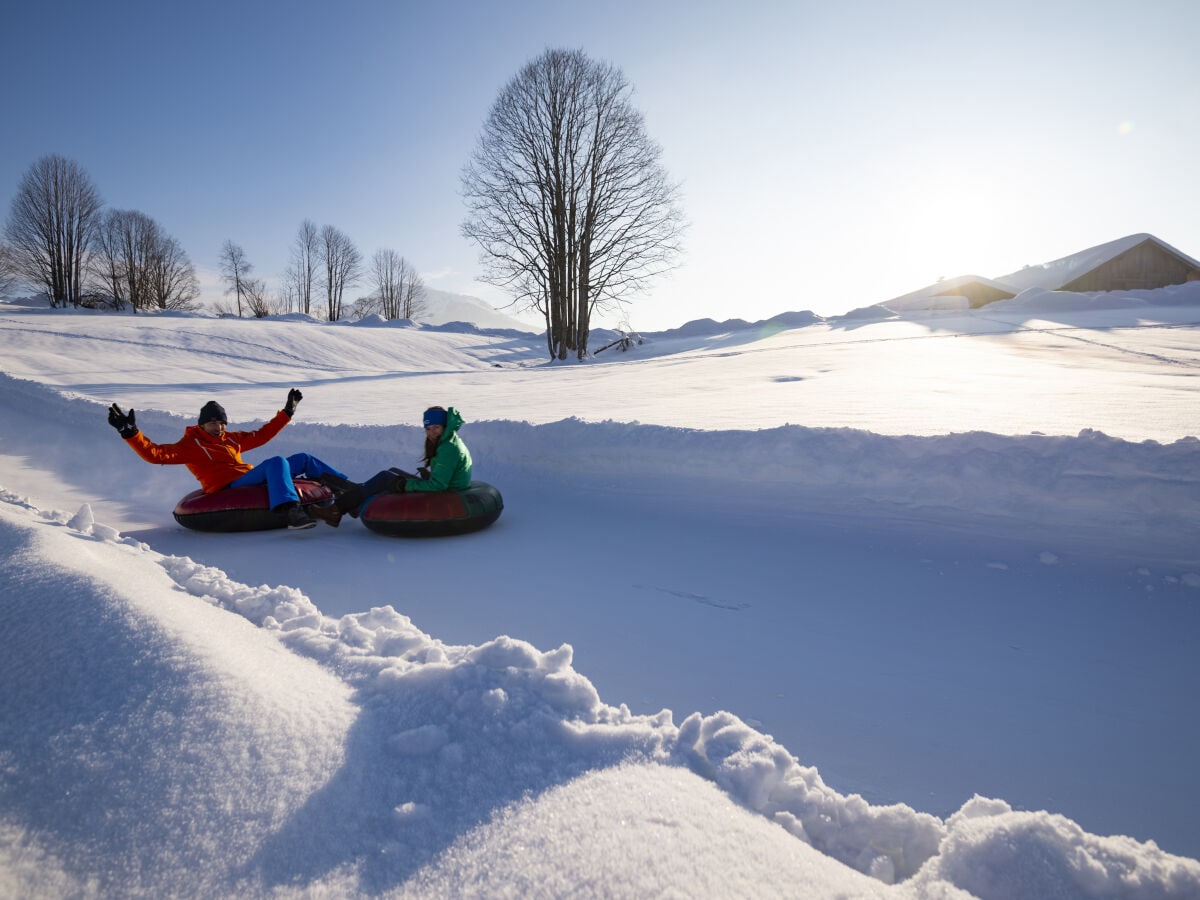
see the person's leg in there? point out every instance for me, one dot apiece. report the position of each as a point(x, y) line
point(305, 465)
point(383, 482)
point(276, 473)
point(380, 483)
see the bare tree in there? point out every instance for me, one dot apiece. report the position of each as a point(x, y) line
point(171, 277)
point(306, 257)
point(289, 291)
point(258, 301)
point(342, 264)
point(122, 246)
point(8, 269)
point(50, 227)
point(138, 263)
point(567, 197)
point(398, 286)
point(366, 306)
point(235, 268)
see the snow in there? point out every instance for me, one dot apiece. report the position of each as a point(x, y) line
point(895, 608)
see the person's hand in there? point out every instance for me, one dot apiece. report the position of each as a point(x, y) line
point(294, 397)
point(126, 425)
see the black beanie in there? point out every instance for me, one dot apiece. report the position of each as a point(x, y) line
point(212, 411)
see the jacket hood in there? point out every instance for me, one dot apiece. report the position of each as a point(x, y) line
point(454, 421)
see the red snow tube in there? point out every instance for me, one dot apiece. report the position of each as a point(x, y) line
point(433, 514)
point(241, 508)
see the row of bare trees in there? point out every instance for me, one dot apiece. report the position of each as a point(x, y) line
point(567, 199)
point(139, 264)
point(60, 238)
point(325, 262)
point(399, 289)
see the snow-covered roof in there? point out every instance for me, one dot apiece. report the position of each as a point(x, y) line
point(923, 298)
point(1049, 276)
point(946, 285)
point(1057, 273)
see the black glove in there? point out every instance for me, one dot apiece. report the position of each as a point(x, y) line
point(126, 425)
point(294, 397)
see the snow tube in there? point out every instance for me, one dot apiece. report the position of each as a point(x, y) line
point(241, 508)
point(433, 514)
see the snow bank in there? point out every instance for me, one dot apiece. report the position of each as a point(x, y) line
point(145, 741)
point(1090, 485)
point(150, 736)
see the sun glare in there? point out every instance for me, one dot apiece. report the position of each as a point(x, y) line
point(954, 223)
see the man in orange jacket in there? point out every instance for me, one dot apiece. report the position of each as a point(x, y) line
point(214, 456)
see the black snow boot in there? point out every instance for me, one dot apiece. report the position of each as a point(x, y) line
point(327, 512)
point(350, 500)
point(298, 519)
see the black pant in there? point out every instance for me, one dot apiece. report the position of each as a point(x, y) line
point(389, 481)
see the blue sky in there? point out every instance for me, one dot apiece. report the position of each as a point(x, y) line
point(831, 155)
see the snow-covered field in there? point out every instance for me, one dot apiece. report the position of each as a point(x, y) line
point(867, 608)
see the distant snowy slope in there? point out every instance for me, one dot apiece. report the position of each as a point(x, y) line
point(443, 306)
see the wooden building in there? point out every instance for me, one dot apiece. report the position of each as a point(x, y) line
point(979, 292)
point(1134, 262)
point(1148, 264)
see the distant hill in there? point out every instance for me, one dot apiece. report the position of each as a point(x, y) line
point(443, 307)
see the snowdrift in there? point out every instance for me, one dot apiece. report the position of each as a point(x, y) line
point(168, 730)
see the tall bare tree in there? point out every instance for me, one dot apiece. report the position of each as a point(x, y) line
point(567, 197)
point(50, 225)
point(235, 269)
point(342, 265)
point(306, 260)
point(399, 287)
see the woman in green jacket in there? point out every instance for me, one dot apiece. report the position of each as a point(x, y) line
point(447, 468)
point(447, 459)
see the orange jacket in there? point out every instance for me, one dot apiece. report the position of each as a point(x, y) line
point(215, 461)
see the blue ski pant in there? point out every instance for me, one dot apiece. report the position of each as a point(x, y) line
point(278, 472)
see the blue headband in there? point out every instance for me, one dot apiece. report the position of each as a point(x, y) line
point(435, 417)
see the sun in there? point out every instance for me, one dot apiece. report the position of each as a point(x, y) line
point(956, 221)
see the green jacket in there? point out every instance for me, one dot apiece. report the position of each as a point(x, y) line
point(450, 468)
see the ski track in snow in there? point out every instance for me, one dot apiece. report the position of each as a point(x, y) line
point(695, 598)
